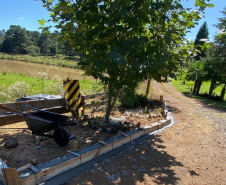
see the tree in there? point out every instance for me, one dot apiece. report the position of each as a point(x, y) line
point(201, 37)
point(44, 43)
point(33, 37)
point(148, 86)
point(16, 40)
point(125, 42)
point(195, 73)
point(219, 53)
point(2, 36)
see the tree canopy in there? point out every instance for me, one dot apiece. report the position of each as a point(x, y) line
point(17, 40)
point(127, 41)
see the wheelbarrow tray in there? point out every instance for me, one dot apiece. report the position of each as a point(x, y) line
point(44, 121)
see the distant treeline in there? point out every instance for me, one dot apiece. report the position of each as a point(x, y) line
point(17, 40)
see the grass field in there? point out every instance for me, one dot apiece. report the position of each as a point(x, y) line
point(13, 86)
point(58, 60)
point(142, 90)
point(186, 89)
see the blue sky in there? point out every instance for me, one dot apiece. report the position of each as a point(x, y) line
point(26, 13)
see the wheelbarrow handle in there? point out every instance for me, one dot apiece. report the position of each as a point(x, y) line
point(40, 109)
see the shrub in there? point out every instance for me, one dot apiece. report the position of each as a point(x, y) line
point(135, 100)
point(33, 50)
point(18, 90)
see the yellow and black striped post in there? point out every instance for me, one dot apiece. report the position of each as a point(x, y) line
point(72, 94)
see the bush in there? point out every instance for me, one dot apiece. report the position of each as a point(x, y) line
point(33, 50)
point(135, 101)
point(18, 90)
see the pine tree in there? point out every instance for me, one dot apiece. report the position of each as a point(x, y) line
point(202, 34)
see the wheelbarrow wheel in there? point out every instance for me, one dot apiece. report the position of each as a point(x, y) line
point(61, 137)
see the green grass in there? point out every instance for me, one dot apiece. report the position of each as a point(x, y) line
point(57, 60)
point(186, 89)
point(142, 89)
point(34, 86)
point(8, 79)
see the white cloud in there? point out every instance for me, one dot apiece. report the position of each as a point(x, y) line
point(21, 18)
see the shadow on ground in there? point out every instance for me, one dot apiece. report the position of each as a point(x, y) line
point(145, 163)
point(208, 103)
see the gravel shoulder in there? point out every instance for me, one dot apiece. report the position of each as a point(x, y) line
point(192, 151)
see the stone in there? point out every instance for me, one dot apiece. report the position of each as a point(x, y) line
point(125, 173)
point(12, 142)
point(144, 157)
point(34, 161)
point(134, 167)
point(101, 170)
point(141, 170)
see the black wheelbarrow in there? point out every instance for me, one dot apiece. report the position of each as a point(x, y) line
point(42, 122)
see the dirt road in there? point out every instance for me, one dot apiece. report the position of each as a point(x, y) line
point(192, 151)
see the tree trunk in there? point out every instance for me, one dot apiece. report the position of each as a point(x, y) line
point(148, 86)
point(195, 86)
point(108, 111)
point(110, 104)
point(213, 82)
point(199, 84)
point(222, 94)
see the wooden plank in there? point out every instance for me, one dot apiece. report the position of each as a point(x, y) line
point(121, 142)
point(51, 172)
point(25, 167)
point(2, 166)
point(64, 166)
point(91, 96)
point(137, 135)
point(83, 105)
point(124, 134)
point(40, 104)
point(11, 176)
point(76, 154)
point(13, 118)
point(151, 129)
point(102, 142)
point(88, 156)
point(168, 122)
point(34, 169)
point(105, 149)
point(95, 104)
point(146, 130)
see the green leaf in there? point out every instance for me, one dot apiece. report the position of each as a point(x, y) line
point(42, 22)
point(114, 53)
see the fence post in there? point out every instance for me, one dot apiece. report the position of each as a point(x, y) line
point(161, 98)
point(83, 104)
